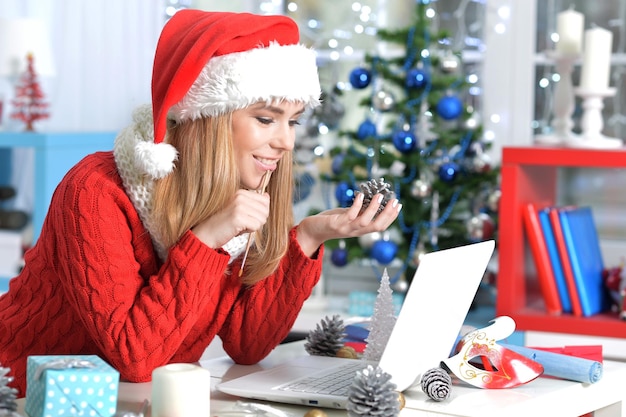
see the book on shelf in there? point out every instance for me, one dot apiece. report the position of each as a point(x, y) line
point(539, 251)
point(568, 274)
point(556, 266)
point(585, 256)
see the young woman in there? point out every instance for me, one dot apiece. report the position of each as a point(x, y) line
point(141, 257)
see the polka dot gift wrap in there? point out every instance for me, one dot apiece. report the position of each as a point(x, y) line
point(78, 385)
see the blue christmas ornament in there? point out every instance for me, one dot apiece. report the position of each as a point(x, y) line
point(449, 107)
point(416, 78)
point(302, 187)
point(344, 194)
point(448, 171)
point(366, 129)
point(360, 77)
point(404, 140)
point(337, 164)
point(339, 257)
point(384, 251)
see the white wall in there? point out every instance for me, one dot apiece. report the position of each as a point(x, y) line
point(103, 51)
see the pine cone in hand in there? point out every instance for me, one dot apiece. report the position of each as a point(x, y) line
point(373, 187)
point(327, 338)
point(373, 394)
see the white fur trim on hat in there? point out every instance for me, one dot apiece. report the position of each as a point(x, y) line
point(238, 80)
point(155, 159)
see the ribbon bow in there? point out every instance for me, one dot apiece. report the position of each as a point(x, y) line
point(63, 364)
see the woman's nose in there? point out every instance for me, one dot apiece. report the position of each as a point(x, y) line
point(285, 138)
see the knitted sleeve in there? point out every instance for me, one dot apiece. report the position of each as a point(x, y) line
point(137, 311)
point(265, 312)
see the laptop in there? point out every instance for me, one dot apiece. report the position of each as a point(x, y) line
point(427, 327)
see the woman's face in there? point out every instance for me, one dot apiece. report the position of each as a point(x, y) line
point(261, 135)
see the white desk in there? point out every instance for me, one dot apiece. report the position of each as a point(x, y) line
point(541, 397)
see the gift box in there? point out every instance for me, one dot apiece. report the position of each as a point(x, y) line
point(78, 385)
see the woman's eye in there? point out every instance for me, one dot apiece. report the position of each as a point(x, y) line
point(264, 120)
point(294, 122)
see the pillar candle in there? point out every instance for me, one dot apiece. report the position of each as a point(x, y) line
point(596, 59)
point(181, 390)
point(569, 26)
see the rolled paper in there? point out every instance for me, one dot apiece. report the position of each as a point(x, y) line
point(562, 366)
point(181, 390)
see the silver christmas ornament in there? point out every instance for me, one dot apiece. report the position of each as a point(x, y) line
point(493, 200)
point(421, 188)
point(481, 162)
point(472, 122)
point(383, 100)
point(450, 63)
point(400, 286)
point(418, 254)
point(480, 227)
point(367, 240)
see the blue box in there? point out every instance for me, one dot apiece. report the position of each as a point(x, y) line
point(77, 385)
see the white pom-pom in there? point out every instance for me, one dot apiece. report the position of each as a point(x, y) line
point(155, 159)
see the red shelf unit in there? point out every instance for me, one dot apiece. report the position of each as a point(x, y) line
point(529, 174)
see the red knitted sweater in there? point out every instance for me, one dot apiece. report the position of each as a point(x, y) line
point(93, 284)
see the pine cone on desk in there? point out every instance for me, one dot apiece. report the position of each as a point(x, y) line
point(327, 338)
point(8, 406)
point(373, 394)
point(373, 187)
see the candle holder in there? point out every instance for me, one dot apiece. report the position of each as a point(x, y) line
point(592, 121)
point(563, 107)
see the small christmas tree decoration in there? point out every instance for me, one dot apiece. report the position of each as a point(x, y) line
point(8, 395)
point(373, 187)
point(327, 338)
point(372, 394)
point(28, 104)
point(383, 321)
point(436, 383)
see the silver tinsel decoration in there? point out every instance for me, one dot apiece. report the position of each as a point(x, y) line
point(373, 187)
point(436, 383)
point(327, 338)
point(373, 394)
point(8, 395)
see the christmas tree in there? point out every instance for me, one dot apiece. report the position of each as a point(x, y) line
point(383, 321)
point(418, 134)
point(28, 103)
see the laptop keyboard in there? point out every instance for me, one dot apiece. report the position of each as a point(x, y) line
point(334, 382)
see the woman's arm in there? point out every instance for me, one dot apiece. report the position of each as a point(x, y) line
point(265, 312)
point(137, 311)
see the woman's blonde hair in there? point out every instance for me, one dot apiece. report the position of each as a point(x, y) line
point(206, 178)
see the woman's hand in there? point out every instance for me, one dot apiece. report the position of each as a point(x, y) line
point(346, 222)
point(246, 213)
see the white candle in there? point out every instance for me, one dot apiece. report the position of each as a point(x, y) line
point(569, 26)
point(181, 390)
point(596, 59)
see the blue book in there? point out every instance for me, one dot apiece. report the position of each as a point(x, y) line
point(555, 260)
point(583, 248)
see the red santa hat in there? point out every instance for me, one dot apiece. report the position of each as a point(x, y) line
point(211, 63)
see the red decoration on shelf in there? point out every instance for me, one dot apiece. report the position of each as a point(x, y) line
point(28, 104)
